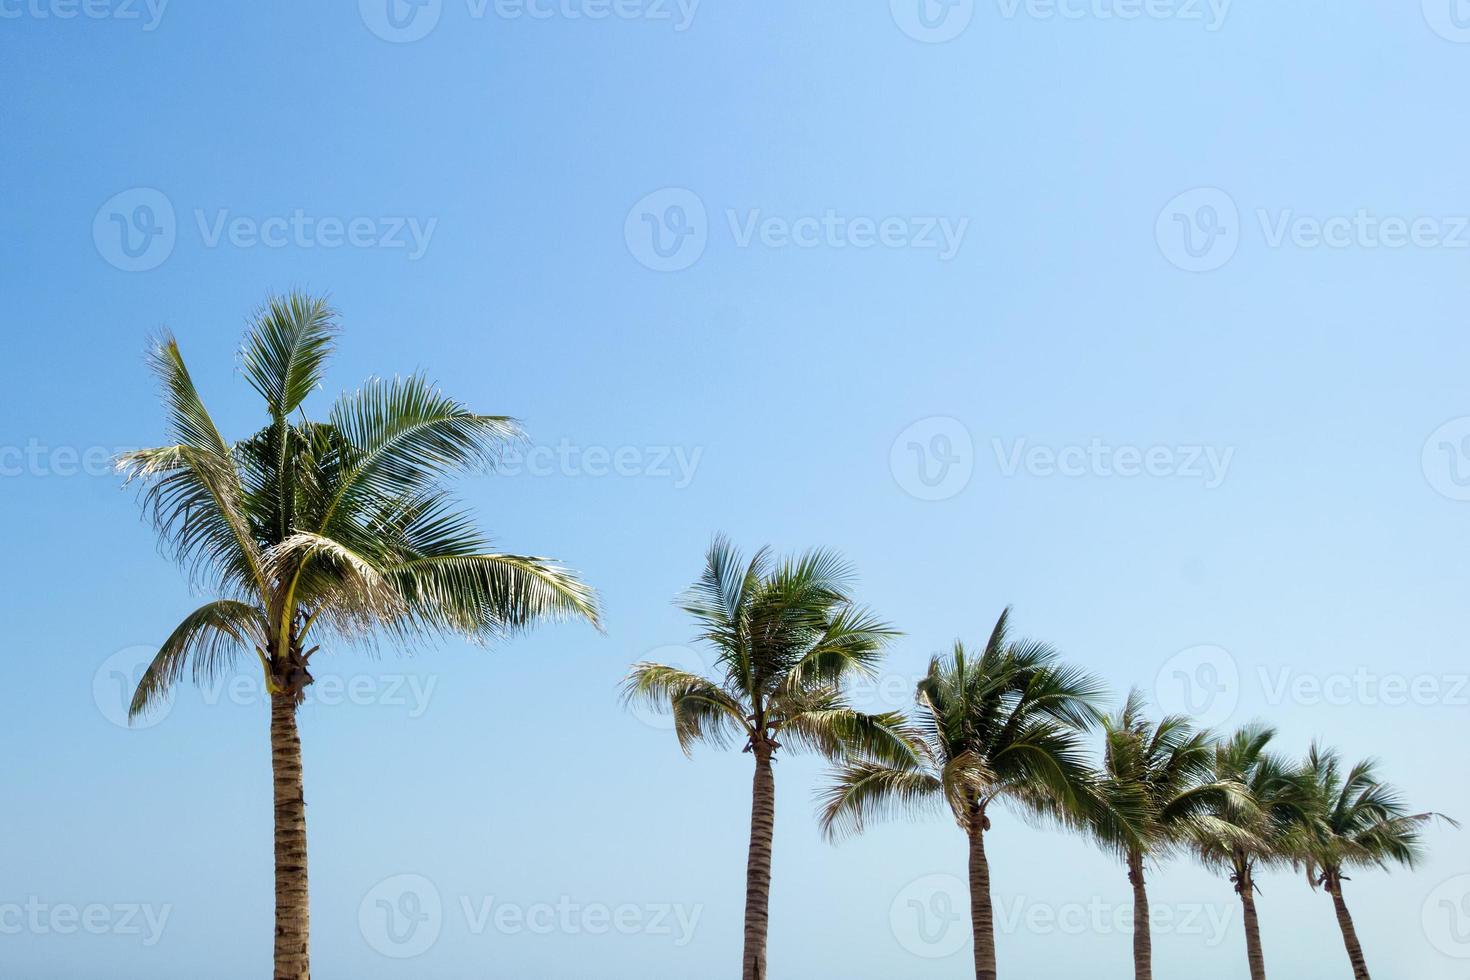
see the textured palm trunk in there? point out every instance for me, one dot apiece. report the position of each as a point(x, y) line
point(292, 955)
point(982, 916)
point(1349, 934)
point(758, 865)
point(1143, 948)
point(1245, 886)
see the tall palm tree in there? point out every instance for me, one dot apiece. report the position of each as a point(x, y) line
point(311, 530)
point(1162, 775)
point(786, 635)
point(1353, 821)
point(1005, 727)
point(1251, 828)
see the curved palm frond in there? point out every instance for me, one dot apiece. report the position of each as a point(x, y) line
point(206, 642)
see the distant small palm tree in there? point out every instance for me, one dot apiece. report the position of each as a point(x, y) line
point(1157, 781)
point(1251, 828)
point(786, 636)
point(1353, 821)
point(1004, 727)
point(308, 530)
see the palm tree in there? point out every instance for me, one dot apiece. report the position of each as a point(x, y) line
point(1005, 727)
point(1250, 828)
point(309, 530)
point(1353, 821)
point(786, 636)
point(1161, 774)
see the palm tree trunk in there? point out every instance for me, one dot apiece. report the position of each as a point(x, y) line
point(1143, 949)
point(1349, 934)
point(1245, 886)
point(292, 908)
point(982, 917)
point(758, 865)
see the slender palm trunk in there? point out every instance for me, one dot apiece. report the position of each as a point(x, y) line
point(1349, 934)
point(292, 918)
point(1245, 886)
point(758, 865)
point(1143, 948)
point(982, 916)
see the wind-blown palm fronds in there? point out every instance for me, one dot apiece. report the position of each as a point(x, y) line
point(786, 636)
point(1352, 820)
point(1005, 727)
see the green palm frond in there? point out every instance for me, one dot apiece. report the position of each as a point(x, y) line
point(206, 643)
point(862, 791)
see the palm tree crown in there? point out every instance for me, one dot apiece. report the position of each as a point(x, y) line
point(785, 635)
point(1002, 726)
point(339, 526)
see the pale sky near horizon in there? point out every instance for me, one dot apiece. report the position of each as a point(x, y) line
point(1148, 319)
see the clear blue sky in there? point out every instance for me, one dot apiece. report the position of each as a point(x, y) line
point(806, 355)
